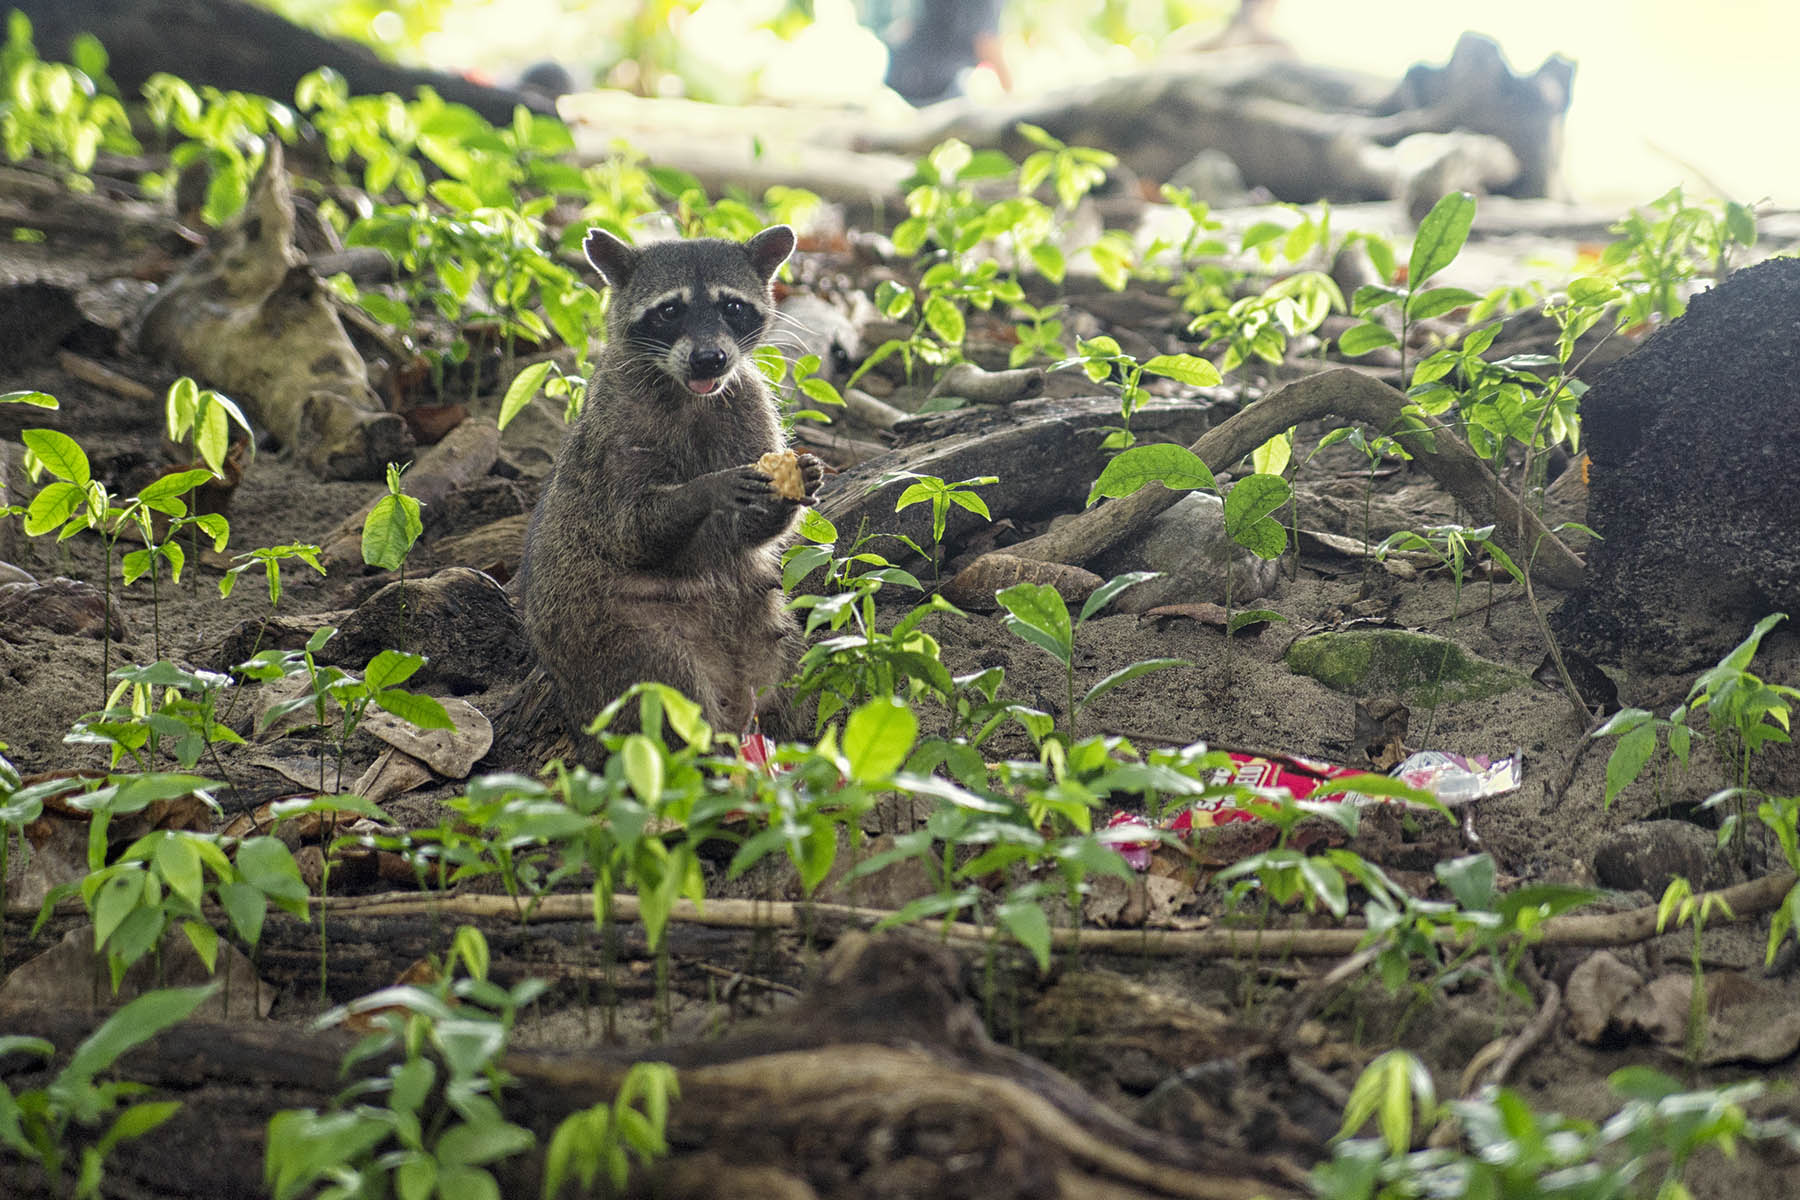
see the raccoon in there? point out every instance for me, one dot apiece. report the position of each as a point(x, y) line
point(654, 552)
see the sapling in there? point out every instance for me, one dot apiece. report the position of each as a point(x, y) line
point(1038, 614)
point(941, 496)
point(1101, 359)
point(204, 418)
point(74, 500)
point(1439, 240)
point(389, 533)
point(327, 685)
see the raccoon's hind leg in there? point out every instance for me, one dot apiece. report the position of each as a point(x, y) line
point(628, 655)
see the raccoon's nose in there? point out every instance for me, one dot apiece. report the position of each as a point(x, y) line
point(707, 364)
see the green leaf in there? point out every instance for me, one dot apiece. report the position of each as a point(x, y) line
point(118, 895)
point(422, 711)
point(173, 487)
point(1435, 302)
point(246, 908)
point(468, 1144)
point(131, 1026)
point(1036, 613)
point(945, 320)
point(390, 530)
point(1440, 238)
point(1184, 368)
point(643, 768)
point(878, 737)
point(1360, 339)
point(1025, 920)
point(178, 862)
point(136, 1121)
point(1175, 467)
point(524, 386)
point(1247, 508)
point(1134, 671)
point(35, 399)
point(1628, 759)
point(268, 866)
point(205, 941)
point(61, 455)
point(1385, 1090)
point(50, 508)
point(1105, 593)
point(391, 668)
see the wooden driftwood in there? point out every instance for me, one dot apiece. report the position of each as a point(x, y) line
point(249, 318)
point(1301, 132)
point(881, 1082)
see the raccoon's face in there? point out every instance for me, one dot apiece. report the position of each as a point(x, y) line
point(693, 309)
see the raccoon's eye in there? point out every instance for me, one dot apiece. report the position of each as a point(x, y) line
point(735, 309)
point(840, 358)
point(668, 312)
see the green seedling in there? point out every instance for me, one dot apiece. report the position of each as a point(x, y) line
point(390, 532)
point(1743, 713)
point(75, 501)
point(223, 130)
point(1035, 612)
point(437, 1115)
point(37, 1124)
point(1101, 360)
point(605, 1137)
point(327, 685)
point(137, 721)
point(1686, 908)
point(1439, 240)
point(56, 111)
point(940, 495)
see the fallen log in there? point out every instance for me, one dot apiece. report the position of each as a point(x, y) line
point(881, 1082)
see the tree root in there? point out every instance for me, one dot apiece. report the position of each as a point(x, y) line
point(1345, 394)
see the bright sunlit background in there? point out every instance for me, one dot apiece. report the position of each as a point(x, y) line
point(1666, 91)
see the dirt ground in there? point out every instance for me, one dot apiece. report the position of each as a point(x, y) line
point(1542, 832)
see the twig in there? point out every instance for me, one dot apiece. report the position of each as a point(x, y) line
point(104, 378)
point(1607, 929)
point(1567, 780)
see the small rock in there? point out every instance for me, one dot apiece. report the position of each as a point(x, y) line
point(459, 619)
point(1189, 545)
point(1659, 1010)
point(1598, 986)
point(66, 606)
point(1645, 855)
point(973, 587)
point(1420, 669)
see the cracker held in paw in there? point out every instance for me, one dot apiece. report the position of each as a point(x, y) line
point(784, 468)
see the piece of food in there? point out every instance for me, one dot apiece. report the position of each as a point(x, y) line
point(783, 466)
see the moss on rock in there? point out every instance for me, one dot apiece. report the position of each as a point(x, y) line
point(1417, 667)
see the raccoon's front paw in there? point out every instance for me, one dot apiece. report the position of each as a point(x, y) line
point(812, 474)
point(745, 490)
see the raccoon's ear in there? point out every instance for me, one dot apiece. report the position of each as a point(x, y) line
point(769, 249)
point(612, 258)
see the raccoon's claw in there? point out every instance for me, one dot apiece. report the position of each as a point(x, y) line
point(812, 474)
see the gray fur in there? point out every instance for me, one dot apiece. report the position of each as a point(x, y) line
point(654, 553)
